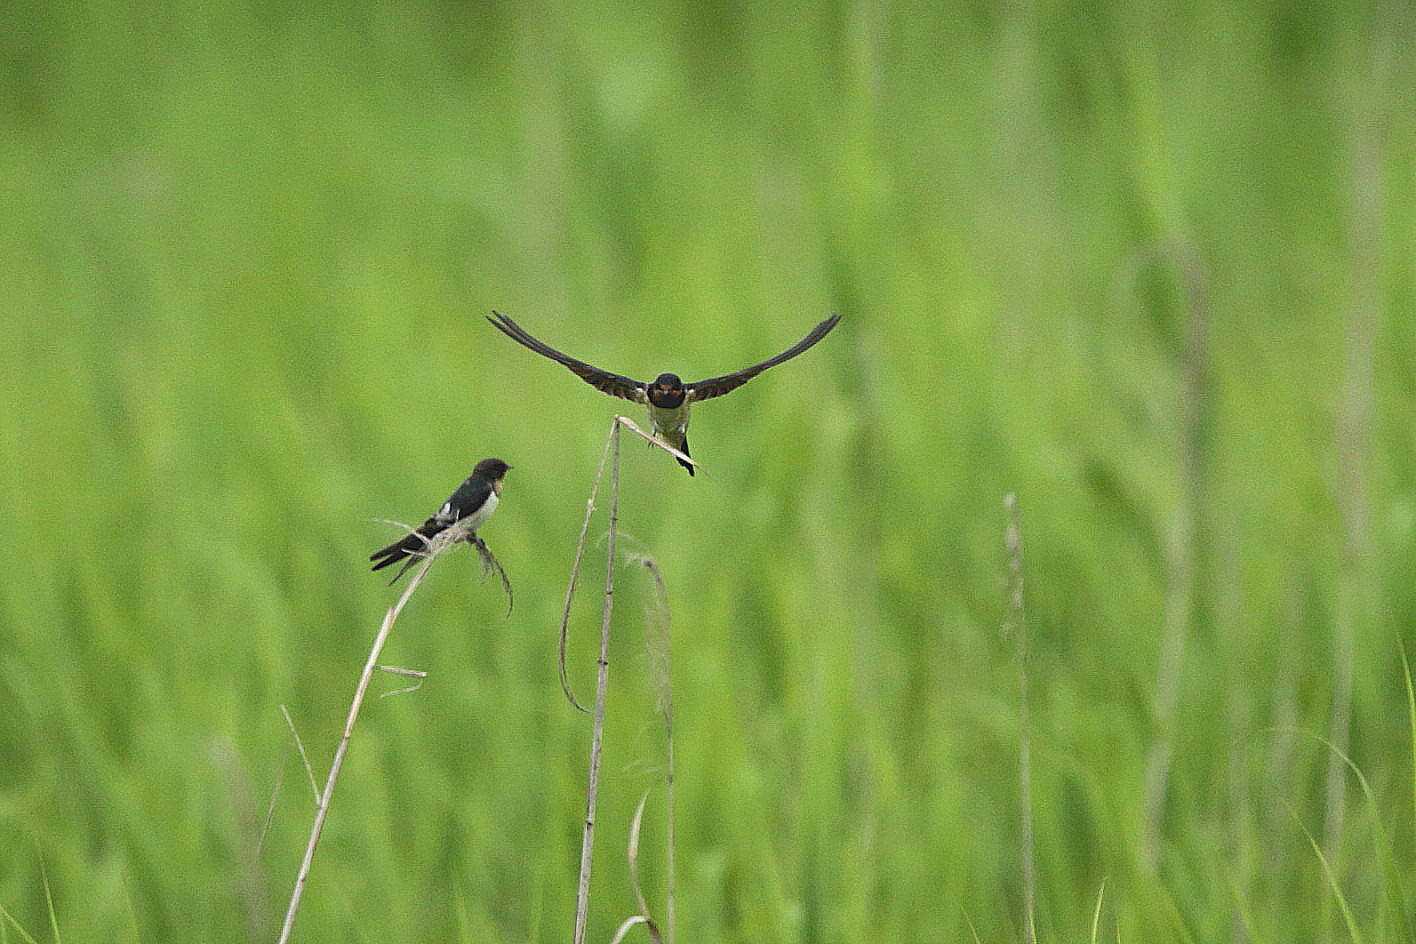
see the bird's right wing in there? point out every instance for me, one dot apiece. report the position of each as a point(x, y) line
point(613, 384)
point(470, 496)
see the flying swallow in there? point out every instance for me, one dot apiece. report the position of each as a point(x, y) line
point(667, 397)
point(472, 503)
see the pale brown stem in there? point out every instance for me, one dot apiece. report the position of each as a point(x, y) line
point(322, 811)
point(663, 679)
point(592, 790)
point(575, 569)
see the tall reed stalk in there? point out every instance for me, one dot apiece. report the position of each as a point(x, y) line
point(436, 547)
point(602, 676)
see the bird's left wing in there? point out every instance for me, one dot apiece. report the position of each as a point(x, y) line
point(613, 384)
point(717, 386)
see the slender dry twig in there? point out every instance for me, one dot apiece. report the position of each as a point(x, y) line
point(634, 826)
point(49, 900)
point(624, 929)
point(436, 547)
point(575, 569)
point(251, 886)
point(582, 898)
point(1018, 626)
point(592, 790)
point(644, 917)
point(270, 807)
point(490, 564)
point(617, 422)
point(661, 671)
point(655, 440)
point(300, 745)
point(418, 674)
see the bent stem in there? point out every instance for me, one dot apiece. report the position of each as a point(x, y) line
point(592, 789)
point(575, 568)
point(435, 548)
point(661, 660)
point(615, 424)
point(490, 565)
point(644, 917)
point(655, 440)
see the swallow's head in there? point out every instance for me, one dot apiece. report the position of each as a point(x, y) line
point(491, 469)
point(666, 391)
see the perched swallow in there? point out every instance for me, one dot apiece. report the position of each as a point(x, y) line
point(667, 398)
point(472, 503)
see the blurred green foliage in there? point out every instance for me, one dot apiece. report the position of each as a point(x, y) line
point(245, 253)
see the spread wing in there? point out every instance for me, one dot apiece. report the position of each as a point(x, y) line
point(717, 386)
point(602, 380)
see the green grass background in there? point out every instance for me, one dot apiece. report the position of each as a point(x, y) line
point(246, 249)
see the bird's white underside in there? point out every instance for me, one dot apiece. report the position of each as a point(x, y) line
point(669, 425)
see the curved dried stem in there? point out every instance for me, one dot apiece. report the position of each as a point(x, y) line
point(655, 440)
point(644, 917)
point(634, 826)
point(661, 671)
point(436, 548)
point(612, 452)
point(490, 564)
point(300, 745)
point(575, 570)
point(624, 929)
point(592, 790)
point(418, 674)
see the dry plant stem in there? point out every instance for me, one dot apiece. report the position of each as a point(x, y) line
point(643, 917)
point(418, 674)
point(670, 889)
point(322, 810)
point(663, 679)
point(624, 929)
point(300, 745)
point(1020, 629)
point(634, 828)
point(490, 564)
point(629, 424)
point(270, 808)
point(575, 568)
point(592, 790)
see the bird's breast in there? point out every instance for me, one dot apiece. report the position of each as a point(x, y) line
point(670, 424)
point(485, 510)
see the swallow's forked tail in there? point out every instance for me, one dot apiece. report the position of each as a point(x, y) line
point(683, 448)
point(408, 547)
